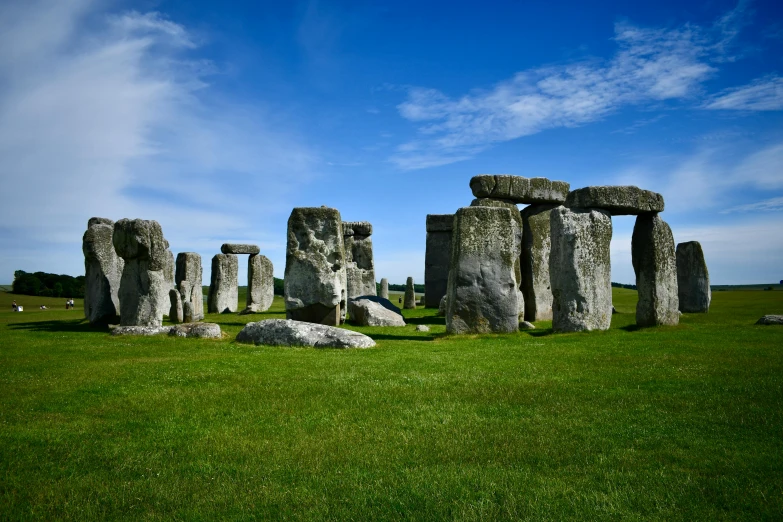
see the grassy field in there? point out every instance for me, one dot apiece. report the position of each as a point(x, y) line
point(661, 423)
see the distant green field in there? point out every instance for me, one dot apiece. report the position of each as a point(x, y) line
point(675, 423)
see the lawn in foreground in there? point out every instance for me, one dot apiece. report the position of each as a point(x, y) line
point(668, 423)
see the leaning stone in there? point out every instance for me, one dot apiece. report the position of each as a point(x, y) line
point(369, 313)
point(315, 276)
point(655, 264)
point(483, 292)
point(410, 295)
point(224, 286)
point(237, 248)
point(519, 189)
point(141, 330)
point(536, 246)
point(260, 284)
point(145, 251)
point(188, 279)
point(359, 263)
point(442, 306)
point(384, 288)
point(580, 269)
point(176, 314)
point(771, 320)
point(103, 272)
point(437, 257)
point(422, 328)
point(197, 331)
point(285, 332)
point(693, 279)
point(617, 200)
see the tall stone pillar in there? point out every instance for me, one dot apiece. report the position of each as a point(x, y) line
point(409, 301)
point(188, 280)
point(260, 284)
point(536, 246)
point(693, 279)
point(437, 258)
point(103, 271)
point(223, 294)
point(655, 264)
point(359, 263)
point(385, 288)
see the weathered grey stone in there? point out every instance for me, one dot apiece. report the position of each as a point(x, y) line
point(260, 284)
point(239, 248)
point(365, 312)
point(189, 280)
point(580, 269)
point(145, 251)
point(140, 330)
point(315, 276)
point(384, 288)
point(176, 314)
point(519, 189)
point(483, 292)
point(223, 294)
point(536, 246)
point(693, 279)
point(286, 332)
point(168, 277)
point(437, 257)
point(422, 328)
point(409, 302)
point(526, 325)
point(103, 271)
point(442, 306)
point(770, 320)
point(618, 200)
point(383, 302)
point(359, 263)
point(655, 264)
point(197, 331)
point(187, 312)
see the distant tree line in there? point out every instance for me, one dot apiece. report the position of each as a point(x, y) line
point(47, 285)
point(621, 285)
point(400, 288)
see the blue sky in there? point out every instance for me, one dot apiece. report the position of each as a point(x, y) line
point(217, 118)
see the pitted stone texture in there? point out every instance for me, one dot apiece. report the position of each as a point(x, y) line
point(103, 272)
point(168, 276)
point(285, 332)
point(223, 294)
point(383, 302)
point(175, 311)
point(197, 331)
point(518, 189)
point(384, 288)
point(618, 200)
point(188, 280)
point(359, 263)
point(536, 247)
point(370, 313)
point(145, 251)
point(655, 264)
point(409, 301)
point(483, 292)
point(442, 306)
point(771, 320)
point(141, 330)
point(239, 248)
point(693, 279)
point(437, 258)
point(315, 276)
point(580, 269)
point(260, 284)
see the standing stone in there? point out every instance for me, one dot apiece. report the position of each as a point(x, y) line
point(693, 279)
point(655, 264)
point(103, 271)
point(580, 269)
point(315, 279)
point(536, 246)
point(223, 294)
point(260, 284)
point(169, 276)
point(142, 245)
point(483, 292)
point(437, 258)
point(188, 280)
point(175, 312)
point(410, 295)
point(359, 263)
point(384, 288)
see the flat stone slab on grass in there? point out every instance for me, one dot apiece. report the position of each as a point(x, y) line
point(519, 189)
point(771, 320)
point(618, 200)
point(286, 332)
point(140, 330)
point(239, 248)
point(191, 330)
point(367, 312)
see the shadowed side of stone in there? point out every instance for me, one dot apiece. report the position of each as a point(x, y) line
point(103, 272)
point(239, 248)
point(437, 258)
point(655, 264)
point(617, 200)
point(285, 332)
point(175, 312)
point(536, 247)
point(693, 279)
point(188, 279)
point(223, 294)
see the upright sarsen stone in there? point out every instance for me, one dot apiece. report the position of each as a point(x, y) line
point(483, 291)
point(536, 246)
point(693, 279)
point(188, 280)
point(655, 264)
point(359, 263)
point(437, 258)
point(175, 312)
point(384, 288)
point(409, 301)
point(168, 276)
point(142, 245)
point(315, 278)
point(103, 271)
point(260, 284)
point(223, 294)
point(580, 269)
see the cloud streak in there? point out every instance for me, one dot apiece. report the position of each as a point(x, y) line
point(764, 94)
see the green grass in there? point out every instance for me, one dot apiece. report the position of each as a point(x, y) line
point(661, 423)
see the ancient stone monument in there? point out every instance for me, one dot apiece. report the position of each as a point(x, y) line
point(143, 248)
point(224, 285)
point(655, 264)
point(384, 288)
point(437, 258)
point(260, 284)
point(359, 264)
point(693, 279)
point(188, 281)
point(536, 247)
point(518, 189)
point(168, 276)
point(409, 301)
point(237, 248)
point(103, 271)
point(175, 312)
point(315, 275)
point(483, 288)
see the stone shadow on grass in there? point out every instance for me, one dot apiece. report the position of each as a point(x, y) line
point(427, 319)
point(390, 337)
point(74, 326)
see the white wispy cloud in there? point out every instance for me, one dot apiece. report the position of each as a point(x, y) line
point(650, 65)
point(763, 94)
point(767, 205)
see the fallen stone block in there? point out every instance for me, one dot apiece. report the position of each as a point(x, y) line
point(365, 312)
point(286, 332)
point(770, 320)
point(197, 331)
